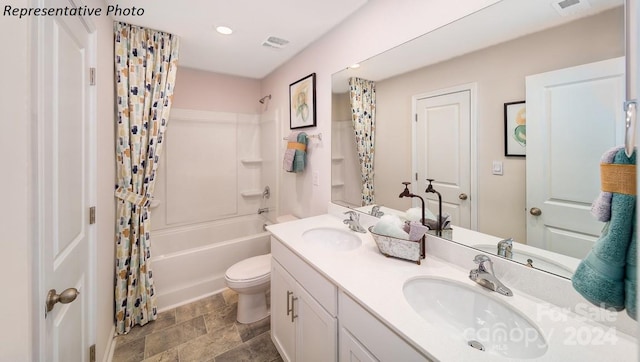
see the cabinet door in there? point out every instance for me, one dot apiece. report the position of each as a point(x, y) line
point(316, 330)
point(282, 325)
point(351, 350)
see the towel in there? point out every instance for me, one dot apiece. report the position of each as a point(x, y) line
point(630, 282)
point(601, 208)
point(390, 225)
point(600, 277)
point(296, 153)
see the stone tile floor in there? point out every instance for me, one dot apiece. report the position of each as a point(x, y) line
point(203, 331)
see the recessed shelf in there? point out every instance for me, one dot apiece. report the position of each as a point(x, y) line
point(337, 184)
point(337, 158)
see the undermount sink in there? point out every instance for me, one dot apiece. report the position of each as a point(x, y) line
point(538, 262)
point(474, 318)
point(332, 239)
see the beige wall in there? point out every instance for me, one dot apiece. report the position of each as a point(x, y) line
point(16, 313)
point(207, 91)
point(355, 39)
point(499, 72)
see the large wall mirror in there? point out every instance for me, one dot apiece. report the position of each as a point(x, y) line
point(440, 114)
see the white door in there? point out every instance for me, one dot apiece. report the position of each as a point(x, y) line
point(442, 152)
point(574, 115)
point(283, 332)
point(65, 183)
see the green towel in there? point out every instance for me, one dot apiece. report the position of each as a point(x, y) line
point(630, 282)
point(300, 158)
point(600, 277)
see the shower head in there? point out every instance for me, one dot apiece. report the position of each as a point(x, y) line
point(261, 100)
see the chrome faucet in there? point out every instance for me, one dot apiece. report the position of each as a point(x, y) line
point(375, 211)
point(505, 248)
point(262, 210)
point(485, 276)
point(354, 222)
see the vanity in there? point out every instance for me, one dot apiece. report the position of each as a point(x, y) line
point(335, 297)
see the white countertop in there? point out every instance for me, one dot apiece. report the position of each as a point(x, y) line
point(376, 282)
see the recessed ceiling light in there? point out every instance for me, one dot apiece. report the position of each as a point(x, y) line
point(224, 30)
point(354, 66)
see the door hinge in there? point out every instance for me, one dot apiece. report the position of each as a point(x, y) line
point(92, 353)
point(92, 76)
point(416, 117)
point(92, 215)
point(416, 176)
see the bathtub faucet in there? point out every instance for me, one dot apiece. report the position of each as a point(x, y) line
point(262, 210)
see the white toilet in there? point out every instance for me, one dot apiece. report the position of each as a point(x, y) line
point(250, 278)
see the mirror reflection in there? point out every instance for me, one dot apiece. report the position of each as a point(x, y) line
point(439, 113)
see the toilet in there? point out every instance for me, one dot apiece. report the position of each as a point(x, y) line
point(250, 278)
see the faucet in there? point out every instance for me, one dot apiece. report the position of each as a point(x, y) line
point(262, 210)
point(485, 276)
point(505, 248)
point(430, 189)
point(354, 222)
point(375, 211)
point(407, 193)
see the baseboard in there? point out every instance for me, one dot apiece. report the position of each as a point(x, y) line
point(111, 346)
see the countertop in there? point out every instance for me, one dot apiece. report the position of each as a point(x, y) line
point(376, 282)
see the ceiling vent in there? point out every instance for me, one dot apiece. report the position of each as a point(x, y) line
point(275, 42)
point(571, 7)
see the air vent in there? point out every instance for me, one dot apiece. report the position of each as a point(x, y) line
point(571, 7)
point(275, 42)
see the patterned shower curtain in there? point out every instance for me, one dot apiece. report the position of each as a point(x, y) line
point(363, 114)
point(145, 71)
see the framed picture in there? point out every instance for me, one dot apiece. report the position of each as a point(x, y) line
point(515, 129)
point(302, 102)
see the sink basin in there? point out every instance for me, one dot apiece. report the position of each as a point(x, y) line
point(539, 262)
point(332, 239)
point(473, 318)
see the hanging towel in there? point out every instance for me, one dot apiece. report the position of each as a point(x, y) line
point(600, 277)
point(630, 282)
point(601, 208)
point(296, 153)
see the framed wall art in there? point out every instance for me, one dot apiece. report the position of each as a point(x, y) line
point(515, 129)
point(302, 102)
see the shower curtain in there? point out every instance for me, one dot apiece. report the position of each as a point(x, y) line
point(145, 71)
point(362, 93)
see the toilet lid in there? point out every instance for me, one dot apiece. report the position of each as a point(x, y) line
point(251, 268)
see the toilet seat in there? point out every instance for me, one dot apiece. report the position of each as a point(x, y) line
point(254, 270)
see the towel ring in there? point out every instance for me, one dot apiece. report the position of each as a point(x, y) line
point(630, 108)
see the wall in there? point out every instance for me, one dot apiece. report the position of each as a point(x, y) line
point(15, 146)
point(207, 91)
point(501, 78)
point(357, 38)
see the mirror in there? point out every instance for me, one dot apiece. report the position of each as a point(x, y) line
point(531, 37)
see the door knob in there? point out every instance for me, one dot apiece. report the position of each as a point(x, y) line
point(535, 211)
point(463, 196)
point(67, 296)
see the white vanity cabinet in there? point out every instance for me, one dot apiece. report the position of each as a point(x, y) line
point(364, 338)
point(303, 309)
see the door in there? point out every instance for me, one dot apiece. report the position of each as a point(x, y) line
point(282, 321)
point(316, 330)
point(65, 185)
point(564, 147)
point(442, 151)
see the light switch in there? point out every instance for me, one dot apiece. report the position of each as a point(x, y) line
point(497, 168)
point(316, 178)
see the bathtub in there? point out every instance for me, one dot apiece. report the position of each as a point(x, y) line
point(189, 262)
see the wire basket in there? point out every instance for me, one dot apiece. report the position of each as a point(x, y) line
point(399, 248)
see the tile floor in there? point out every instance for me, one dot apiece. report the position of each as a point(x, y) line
point(203, 331)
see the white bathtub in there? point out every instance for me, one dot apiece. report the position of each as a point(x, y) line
point(189, 262)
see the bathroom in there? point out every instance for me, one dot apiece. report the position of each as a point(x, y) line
point(302, 195)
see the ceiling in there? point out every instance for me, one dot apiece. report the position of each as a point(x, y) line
point(301, 22)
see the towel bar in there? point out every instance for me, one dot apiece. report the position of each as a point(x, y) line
point(318, 136)
point(631, 111)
